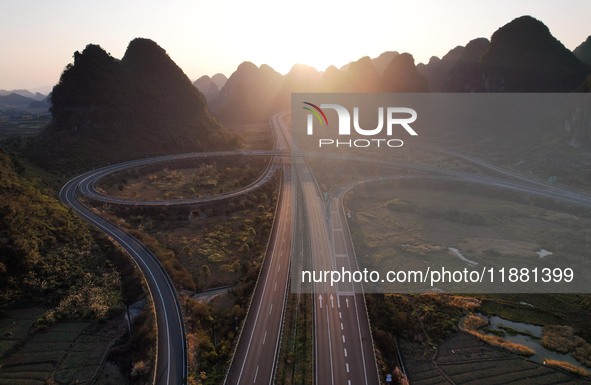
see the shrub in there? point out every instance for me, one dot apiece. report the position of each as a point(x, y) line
point(558, 338)
point(401, 205)
point(140, 369)
point(473, 322)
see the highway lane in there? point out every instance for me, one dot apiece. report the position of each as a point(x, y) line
point(256, 353)
point(358, 334)
point(343, 346)
point(254, 361)
point(315, 213)
point(171, 358)
point(563, 189)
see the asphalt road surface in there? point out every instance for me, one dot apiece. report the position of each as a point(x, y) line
point(254, 361)
point(343, 346)
point(171, 362)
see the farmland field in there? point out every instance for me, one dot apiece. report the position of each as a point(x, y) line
point(465, 360)
point(397, 225)
point(67, 352)
point(409, 227)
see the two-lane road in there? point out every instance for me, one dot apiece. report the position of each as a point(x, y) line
point(171, 362)
point(256, 354)
point(343, 346)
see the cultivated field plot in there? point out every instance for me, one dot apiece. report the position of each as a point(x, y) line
point(22, 123)
point(399, 227)
point(14, 328)
point(68, 353)
point(462, 359)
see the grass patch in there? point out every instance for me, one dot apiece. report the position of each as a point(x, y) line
point(568, 367)
point(464, 217)
point(499, 342)
point(401, 205)
point(426, 318)
point(561, 338)
point(296, 354)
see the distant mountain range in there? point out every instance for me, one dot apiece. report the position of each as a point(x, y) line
point(26, 93)
point(106, 109)
point(521, 56)
point(23, 99)
point(210, 86)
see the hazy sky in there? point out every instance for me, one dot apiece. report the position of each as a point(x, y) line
point(38, 37)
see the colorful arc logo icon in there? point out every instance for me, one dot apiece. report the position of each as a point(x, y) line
point(317, 111)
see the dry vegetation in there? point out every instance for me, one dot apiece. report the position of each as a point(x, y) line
point(568, 367)
point(427, 319)
point(415, 225)
point(499, 342)
point(207, 246)
point(190, 178)
point(472, 322)
point(561, 338)
point(295, 364)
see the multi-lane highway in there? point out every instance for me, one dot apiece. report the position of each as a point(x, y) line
point(343, 346)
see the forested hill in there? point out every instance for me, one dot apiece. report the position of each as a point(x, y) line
point(47, 255)
point(106, 110)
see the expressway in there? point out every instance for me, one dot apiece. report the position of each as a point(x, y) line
point(256, 352)
point(343, 345)
point(258, 346)
point(171, 357)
